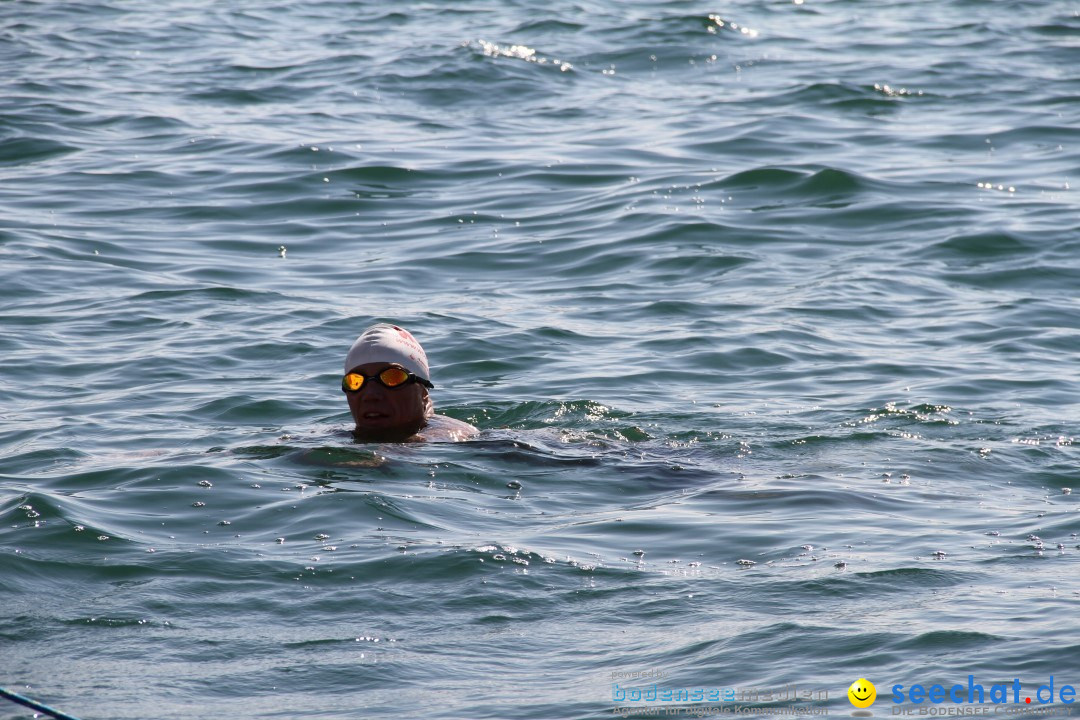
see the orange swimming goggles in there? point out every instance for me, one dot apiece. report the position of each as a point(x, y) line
point(392, 377)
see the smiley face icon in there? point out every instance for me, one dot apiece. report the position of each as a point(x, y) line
point(862, 693)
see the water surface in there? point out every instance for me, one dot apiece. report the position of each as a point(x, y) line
point(767, 310)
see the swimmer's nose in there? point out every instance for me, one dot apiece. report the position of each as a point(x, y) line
point(374, 392)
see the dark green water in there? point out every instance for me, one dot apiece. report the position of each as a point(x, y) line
point(789, 284)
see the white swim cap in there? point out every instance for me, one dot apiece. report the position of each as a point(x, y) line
point(390, 344)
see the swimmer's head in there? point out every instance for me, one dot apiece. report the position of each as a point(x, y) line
point(387, 406)
point(388, 343)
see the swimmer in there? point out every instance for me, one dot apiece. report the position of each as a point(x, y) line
point(386, 383)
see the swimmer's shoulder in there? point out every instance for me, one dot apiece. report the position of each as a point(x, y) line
point(441, 428)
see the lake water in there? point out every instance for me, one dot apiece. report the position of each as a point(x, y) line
point(769, 312)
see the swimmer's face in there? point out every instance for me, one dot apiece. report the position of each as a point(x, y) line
point(387, 414)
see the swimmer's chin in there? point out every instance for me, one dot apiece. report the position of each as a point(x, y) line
point(388, 435)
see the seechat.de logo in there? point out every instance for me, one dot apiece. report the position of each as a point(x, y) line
point(862, 693)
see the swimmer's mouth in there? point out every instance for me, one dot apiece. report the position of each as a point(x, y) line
point(373, 415)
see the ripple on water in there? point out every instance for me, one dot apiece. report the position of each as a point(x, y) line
point(27, 150)
point(819, 187)
point(982, 246)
